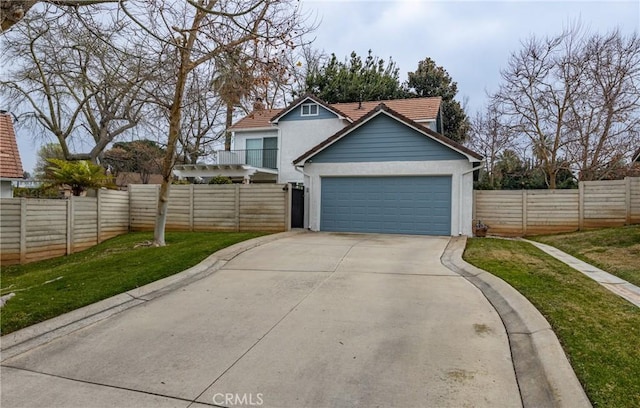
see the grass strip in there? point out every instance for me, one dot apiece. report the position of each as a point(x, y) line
point(599, 331)
point(52, 287)
point(615, 250)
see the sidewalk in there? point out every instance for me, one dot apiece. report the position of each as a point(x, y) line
point(616, 285)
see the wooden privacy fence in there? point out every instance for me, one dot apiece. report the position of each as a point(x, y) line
point(232, 207)
point(528, 212)
point(34, 229)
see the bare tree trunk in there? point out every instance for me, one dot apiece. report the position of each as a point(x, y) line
point(227, 125)
point(175, 118)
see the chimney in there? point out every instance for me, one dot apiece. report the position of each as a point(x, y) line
point(258, 105)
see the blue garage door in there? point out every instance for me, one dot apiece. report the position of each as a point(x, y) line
point(395, 205)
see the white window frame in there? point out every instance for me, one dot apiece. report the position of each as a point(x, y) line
point(309, 107)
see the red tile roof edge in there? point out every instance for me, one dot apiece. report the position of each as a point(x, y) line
point(11, 164)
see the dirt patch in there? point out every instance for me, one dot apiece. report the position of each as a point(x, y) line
point(460, 375)
point(482, 329)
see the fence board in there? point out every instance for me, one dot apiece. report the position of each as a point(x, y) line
point(114, 207)
point(10, 227)
point(143, 206)
point(600, 203)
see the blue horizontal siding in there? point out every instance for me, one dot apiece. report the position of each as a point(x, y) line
point(393, 205)
point(296, 114)
point(385, 139)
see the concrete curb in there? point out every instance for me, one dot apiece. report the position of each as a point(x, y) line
point(33, 336)
point(544, 375)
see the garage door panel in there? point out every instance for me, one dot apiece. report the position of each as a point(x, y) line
point(406, 205)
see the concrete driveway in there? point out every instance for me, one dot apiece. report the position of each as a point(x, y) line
point(310, 320)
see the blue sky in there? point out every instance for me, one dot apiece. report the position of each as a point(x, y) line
point(472, 40)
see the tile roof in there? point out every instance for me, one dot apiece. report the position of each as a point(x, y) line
point(10, 163)
point(256, 119)
point(416, 109)
point(408, 121)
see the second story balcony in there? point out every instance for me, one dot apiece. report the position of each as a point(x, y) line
point(260, 158)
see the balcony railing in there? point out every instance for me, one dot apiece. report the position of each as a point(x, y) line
point(264, 158)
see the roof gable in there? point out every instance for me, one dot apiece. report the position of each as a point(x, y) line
point(297, 113)
point(418, 129)
point(308, 98)
point(10, 163)
point(383, 138)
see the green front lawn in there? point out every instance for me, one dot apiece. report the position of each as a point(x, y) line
point(50, 288)
point(616, 250)
point(599, 331)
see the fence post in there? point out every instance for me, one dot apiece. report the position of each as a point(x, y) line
point(580, 205)
point(129, 194)
point(288, 196)
point(524, 212)
point(99, 216)
point(473, 207)
point(191, 205)
point(23, 230)
point(70, 210)
point(237, 215)
point(627, 200)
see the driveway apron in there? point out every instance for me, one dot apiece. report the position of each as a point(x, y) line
point(312, 320)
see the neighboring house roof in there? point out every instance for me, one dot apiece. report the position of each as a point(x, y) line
point(256, 119)
point(416, 109)
point(10, 163)
point(384, 109)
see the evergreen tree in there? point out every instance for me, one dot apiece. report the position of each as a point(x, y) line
point(355, 80)
point(432, 80)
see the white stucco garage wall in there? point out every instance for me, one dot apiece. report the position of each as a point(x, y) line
point(461, 188)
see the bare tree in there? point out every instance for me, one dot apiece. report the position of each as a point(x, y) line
point(76, 85)
point(491, 138)
point(204, 118)
point(13, 11)
point(576, 96)
point(539, 85)
point(278, 87)
point(604, 119)
point(196, 32)
point(234, 80)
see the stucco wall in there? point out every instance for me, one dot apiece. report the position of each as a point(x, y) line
point(461, 188)
point(296, 138)
point(6, 190)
